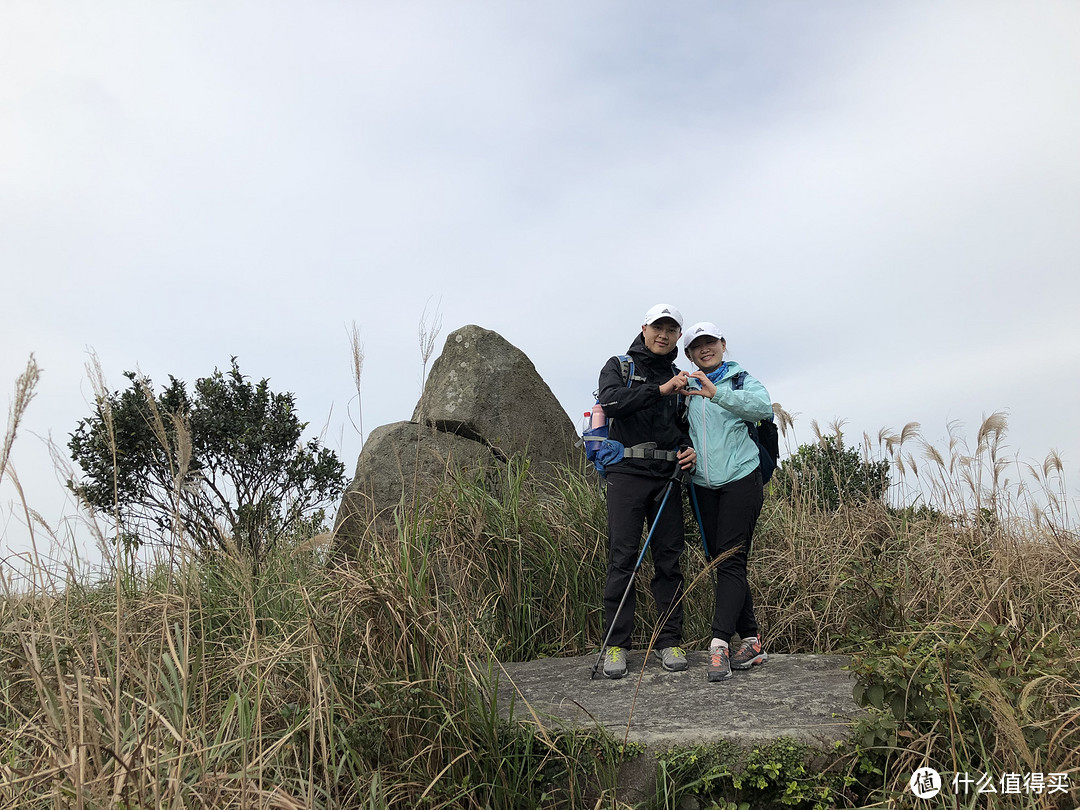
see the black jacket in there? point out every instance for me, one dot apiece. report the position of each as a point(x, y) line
point(640, 414)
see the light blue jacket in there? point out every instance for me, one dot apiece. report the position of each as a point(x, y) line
point(725, 451)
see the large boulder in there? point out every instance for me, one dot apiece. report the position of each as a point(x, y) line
point(483, 403)
point(401, 465)
point(484, 388)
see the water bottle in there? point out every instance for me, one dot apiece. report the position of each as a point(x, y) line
point(597, 418)
point(586, 422)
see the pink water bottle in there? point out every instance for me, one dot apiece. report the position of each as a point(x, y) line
point(599, 418)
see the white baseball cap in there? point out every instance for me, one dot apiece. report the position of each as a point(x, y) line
point(664, 311)
point(699, 329)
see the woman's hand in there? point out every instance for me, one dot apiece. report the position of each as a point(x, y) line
point(707, 388)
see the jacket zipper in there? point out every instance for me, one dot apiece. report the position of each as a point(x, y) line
point(705, 446)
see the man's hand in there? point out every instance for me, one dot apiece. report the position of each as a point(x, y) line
point(675, 384)
point(707, 388)
point(687, 458)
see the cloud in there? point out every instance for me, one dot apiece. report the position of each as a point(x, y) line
point(876, 202)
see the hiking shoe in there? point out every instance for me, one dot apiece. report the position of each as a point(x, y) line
point(614, 662)
point(749, 654)
point(719, 664)
point(673, 658)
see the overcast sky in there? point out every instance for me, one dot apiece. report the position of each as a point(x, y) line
point(879, 203)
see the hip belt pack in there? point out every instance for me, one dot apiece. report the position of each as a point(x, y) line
point(648, 450)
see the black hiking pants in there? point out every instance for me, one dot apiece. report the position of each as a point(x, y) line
point(728, 517)
point(632, 503)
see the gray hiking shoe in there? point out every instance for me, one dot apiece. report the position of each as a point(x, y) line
point(614, 662)
point(719, 664)
point(673, 659)
point(749, 654)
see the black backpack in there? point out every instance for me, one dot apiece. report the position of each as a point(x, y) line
point(764, 434)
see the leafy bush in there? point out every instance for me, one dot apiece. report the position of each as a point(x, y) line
point(827, 474)
point(782, 773)
point(223, 464)
point(986, 698)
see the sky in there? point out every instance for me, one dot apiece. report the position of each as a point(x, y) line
point(879, 203)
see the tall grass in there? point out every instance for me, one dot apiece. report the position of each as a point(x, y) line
point(961, 610)
point(304, 685)
point(201, 680)
point(310, 681)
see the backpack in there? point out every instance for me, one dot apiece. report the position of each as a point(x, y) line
point(763, 433)
point(596, 439)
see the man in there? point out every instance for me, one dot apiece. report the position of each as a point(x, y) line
point(646, 415)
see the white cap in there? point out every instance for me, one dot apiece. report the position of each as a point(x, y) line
point(663, 311)
point(699, 329)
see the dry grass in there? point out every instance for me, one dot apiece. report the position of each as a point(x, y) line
point(427, 333)
point(356, 347)
point(977, 546)
point(24, 393)
point(963, 608)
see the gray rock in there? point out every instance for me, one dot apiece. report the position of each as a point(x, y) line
point(401, 465)
point(483, 402)
point(484, 388)
point(804, 697)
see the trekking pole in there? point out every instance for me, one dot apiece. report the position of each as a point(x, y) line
point(697, 517)
point(667, 493)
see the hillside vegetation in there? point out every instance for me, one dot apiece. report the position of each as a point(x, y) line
point(199, 680)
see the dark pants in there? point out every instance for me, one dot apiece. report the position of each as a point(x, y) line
point(632, 503)
point(728, 516)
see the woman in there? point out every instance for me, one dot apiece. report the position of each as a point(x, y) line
point(728, 489)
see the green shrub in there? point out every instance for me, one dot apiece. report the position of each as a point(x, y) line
point(827, 474)
point(783, 773)
point(986, 698)
point(222, 465)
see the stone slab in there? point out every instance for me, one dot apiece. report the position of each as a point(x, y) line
point(804, 697)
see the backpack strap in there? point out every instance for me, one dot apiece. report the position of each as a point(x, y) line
point(628, 375)
point(627, 365)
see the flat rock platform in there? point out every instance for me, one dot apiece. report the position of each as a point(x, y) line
point(804, 697)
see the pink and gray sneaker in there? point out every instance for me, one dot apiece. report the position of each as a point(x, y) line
point(750, 653)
